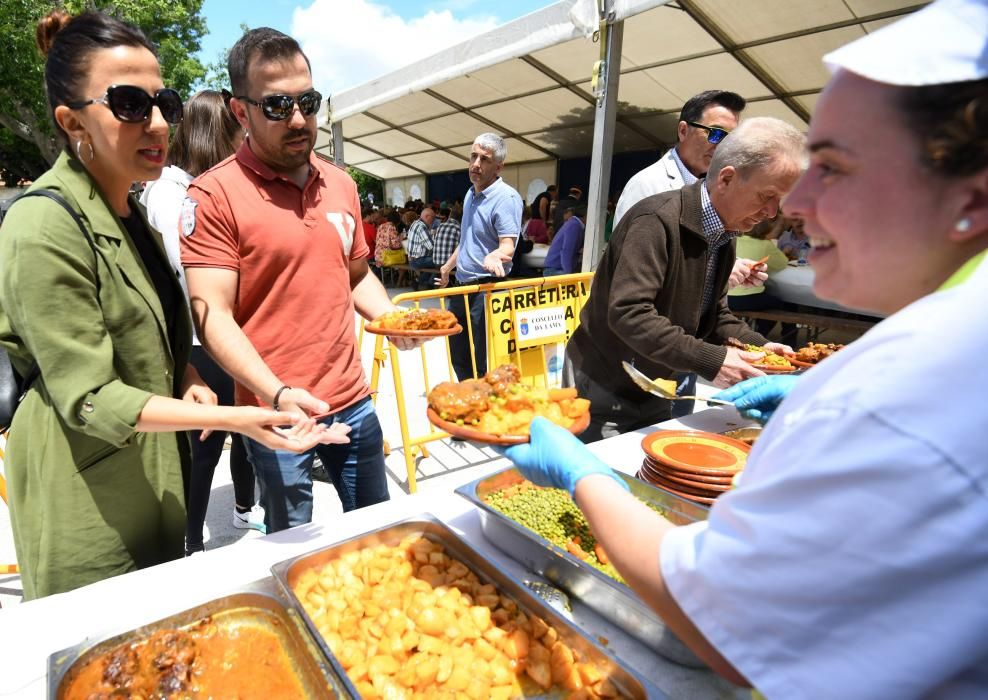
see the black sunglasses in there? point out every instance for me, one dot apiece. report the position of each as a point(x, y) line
point(714, 133)
point(133, 105)
point(280, 107)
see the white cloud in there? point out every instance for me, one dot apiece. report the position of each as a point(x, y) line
point(350, 42)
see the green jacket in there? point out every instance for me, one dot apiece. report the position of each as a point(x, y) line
point(89, 497)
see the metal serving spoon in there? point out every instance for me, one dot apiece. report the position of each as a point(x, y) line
point(646, 384)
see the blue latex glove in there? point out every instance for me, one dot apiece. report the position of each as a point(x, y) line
point(555, 457)
point(758, 397)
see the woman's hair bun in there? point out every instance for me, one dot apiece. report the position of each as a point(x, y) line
point(50, 25)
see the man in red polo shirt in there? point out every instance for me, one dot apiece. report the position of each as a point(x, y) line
point(276, 264)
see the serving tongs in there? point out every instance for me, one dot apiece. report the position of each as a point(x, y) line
point(645, 384)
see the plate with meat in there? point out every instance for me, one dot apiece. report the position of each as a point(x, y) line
point(813, 353)
point(416, 323)
point(498, 408)
point(772, 363)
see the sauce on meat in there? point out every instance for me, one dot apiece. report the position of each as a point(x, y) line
point(237, 661)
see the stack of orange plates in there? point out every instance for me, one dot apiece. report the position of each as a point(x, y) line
point(695, 465)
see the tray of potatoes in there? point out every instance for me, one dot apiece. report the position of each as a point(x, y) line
point(412, 611)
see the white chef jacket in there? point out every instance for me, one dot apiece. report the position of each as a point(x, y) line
point(852, 562)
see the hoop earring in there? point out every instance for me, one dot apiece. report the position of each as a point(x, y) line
point(78, 151)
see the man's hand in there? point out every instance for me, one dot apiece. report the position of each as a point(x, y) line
point(284, 430)
point(406, 343)
point(778, 348)
point(747, 273)
point(300, 401)
point(737, 367)
point(443, 276)
point(494, 262)
point(194, 389)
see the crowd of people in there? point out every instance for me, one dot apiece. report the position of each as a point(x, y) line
point(860, 511)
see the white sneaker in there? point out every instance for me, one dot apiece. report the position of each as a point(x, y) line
point(251, 520)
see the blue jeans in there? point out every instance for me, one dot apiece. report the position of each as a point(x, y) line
point(357, 470)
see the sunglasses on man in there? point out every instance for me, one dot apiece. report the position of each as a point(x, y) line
point(278, 108)
point(133, 105)
point(714, 133)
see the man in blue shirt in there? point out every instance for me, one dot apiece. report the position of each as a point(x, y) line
point(564, 253)
point(488, 233)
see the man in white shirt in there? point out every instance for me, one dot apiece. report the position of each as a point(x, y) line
point(704, 121)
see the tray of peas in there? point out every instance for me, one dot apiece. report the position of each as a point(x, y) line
point(543, 529)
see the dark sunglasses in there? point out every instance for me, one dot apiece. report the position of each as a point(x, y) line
point(714, 133)
point(280, 107)
point(131, 104)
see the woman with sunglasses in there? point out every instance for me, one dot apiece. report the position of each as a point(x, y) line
point(851, 561)
point(208, 133)
point(93, 462)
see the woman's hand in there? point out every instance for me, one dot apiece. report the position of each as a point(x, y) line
point(287, 430)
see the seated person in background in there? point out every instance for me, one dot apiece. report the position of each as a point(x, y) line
point(420, 245)
point(793, 241)
point(533, 229)
point(755, 245)
point(564, 253)
point(387, 239)
point(447, 237)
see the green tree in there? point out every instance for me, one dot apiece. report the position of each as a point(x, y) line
point(367, 184)
point(174, 26)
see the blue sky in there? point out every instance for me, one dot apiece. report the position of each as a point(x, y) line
point(353, 41)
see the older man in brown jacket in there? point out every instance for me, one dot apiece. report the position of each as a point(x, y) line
point(658, 298)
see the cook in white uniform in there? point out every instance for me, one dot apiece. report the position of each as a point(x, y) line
point(852, 561)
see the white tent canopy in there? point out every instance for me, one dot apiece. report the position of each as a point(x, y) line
point(530, 80)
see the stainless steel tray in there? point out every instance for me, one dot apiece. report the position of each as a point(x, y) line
point(258, 603)
point(288, 572)
point(603, 594)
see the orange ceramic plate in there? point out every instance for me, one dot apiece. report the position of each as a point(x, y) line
point(696, 451)
point(799, 363)
point(703, 500)
point(400, 333)
point(468, 433)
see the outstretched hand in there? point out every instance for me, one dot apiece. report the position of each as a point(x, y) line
point(555, 457)
point(287, 430)
point(758, 398)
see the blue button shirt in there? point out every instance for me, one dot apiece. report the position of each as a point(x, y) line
point(492, 214)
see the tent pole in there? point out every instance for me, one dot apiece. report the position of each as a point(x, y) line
point(603, 140)
point(338, 143)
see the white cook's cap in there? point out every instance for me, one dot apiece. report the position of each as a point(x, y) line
point(945, 42)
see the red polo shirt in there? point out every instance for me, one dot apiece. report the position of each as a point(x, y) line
point(291, 248)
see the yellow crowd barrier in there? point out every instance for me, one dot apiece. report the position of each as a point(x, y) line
point(523, 316)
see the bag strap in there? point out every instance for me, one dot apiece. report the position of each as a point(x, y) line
point(35, 371)
point(56, 197)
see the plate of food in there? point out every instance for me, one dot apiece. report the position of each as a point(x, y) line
point(416, 323)
point(772, 363)
point(498, 408)
point(813, 353)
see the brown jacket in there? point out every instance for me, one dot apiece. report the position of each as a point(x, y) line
point(645, 300)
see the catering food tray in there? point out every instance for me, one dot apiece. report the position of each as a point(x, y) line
point(288, 574)
point(259, 606)
point(603, 594)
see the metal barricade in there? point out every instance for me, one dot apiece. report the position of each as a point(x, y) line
point(571, 289)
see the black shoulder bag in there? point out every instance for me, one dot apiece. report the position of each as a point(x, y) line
point(13, 387)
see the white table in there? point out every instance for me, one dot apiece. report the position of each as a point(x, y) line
point(536, 256)
point(794, 284)
point(30, 632)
